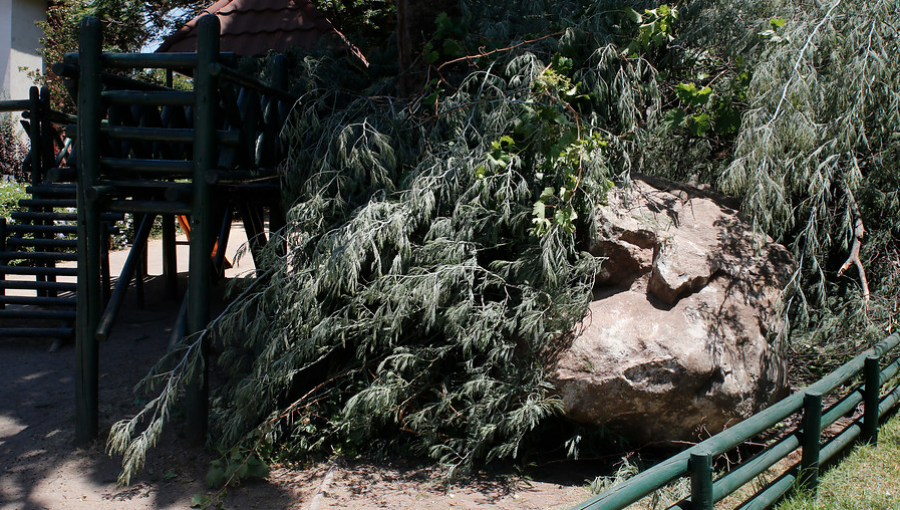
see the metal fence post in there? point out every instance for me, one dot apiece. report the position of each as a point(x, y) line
point(812, 429)
point(88, 303)
point(701, 481)
point(871, 400)
point(197, 396)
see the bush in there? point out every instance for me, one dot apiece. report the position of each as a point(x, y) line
point(12, 150)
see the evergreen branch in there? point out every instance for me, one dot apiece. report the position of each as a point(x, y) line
point(121, 439)
point(800, 59)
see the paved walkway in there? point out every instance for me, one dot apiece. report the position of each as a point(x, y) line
point(237, 239)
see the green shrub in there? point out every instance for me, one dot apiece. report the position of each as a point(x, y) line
point(10, 194)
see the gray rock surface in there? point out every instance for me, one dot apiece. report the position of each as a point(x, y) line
point(675, 346)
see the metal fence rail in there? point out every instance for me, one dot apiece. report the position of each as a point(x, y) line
point(696, 461)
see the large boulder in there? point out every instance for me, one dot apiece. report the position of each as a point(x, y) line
point(675, 345)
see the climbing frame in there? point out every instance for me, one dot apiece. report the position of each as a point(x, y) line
point(152, 150)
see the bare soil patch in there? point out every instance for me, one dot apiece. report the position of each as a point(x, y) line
point(40, 468)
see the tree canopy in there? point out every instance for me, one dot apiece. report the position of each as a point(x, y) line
point(127, 26)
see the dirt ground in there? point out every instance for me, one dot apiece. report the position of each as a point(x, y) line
point(40, 468)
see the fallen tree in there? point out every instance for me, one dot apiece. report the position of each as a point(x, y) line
point(435, 243)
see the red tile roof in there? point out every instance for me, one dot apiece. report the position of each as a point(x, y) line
point(253, 27)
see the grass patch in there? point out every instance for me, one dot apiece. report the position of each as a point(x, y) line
point(868, 479)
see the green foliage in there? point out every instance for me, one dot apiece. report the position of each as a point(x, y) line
point(368, 23)
point(446, 41)
point(417, 300)
point(867, 479)
point(654, 28)
point(703, 111)
point(818, 145)
point(435, 249)
point(235, 466)
point(661, 498)
point(127, 26)
point(772, 34)
point(216, 500)
point(10, 194)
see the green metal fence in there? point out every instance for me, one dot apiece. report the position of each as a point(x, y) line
point(697, 462)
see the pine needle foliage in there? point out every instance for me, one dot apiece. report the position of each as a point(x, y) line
point(420, 293)
point(435, 249)
point(816, 158)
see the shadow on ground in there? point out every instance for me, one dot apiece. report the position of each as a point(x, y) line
point(41, 466)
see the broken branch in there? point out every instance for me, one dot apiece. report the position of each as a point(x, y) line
point(859, 230)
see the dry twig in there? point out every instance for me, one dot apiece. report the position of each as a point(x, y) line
point(859, 231)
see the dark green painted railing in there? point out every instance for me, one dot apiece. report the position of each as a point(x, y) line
point(696, 462)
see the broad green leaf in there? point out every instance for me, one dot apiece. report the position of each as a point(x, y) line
point(674, 118)
point(702, 96)
point(257, 468)
point(699, 124)
point(633, 15)
point(200, 500)
point(685, 91)
point(215, 477)
point(452, 48)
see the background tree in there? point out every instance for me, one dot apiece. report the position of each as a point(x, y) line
point(127, 26)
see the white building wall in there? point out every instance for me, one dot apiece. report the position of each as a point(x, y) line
point(24, 43)
point(19, 42)
point(5, 46)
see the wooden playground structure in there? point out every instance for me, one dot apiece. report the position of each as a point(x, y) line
point(145, 150)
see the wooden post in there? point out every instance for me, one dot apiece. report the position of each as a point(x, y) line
point(170, 256)
point(47, 159)
point(701, 481)
point(197, 396)
point(34, 133)
point(277, 218)
point(2, 260)
point(105, 279)
point(812, 429)
point(139, 270)
point(871, 400)
point(47, 134)
point(89, 234)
